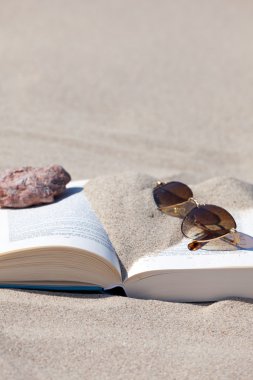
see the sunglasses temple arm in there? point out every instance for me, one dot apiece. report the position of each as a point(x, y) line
point(235, 237)
point(195, 244)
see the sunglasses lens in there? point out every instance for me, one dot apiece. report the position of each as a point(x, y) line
point(171, 193)
point(207, 222)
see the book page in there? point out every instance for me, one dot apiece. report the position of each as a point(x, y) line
point(69, 222)
point(220, 255)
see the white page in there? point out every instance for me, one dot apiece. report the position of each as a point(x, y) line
point(68, 222)
point(179, 257)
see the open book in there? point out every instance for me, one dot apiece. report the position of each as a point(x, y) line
point(63, 246)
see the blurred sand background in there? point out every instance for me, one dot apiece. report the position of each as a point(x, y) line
point(102, 87)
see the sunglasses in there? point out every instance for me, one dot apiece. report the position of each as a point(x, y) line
point(202, 223)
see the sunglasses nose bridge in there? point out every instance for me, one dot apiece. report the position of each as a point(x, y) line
point(193, 200)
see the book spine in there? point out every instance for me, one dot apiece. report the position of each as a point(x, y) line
point(72, 288)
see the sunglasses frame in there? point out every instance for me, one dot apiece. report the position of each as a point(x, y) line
point(196, 244)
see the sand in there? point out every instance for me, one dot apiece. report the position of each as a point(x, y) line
point(159, 88)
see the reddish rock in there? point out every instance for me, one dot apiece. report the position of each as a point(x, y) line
point(30, 186)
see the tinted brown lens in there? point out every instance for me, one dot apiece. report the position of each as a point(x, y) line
point(207, 222)
point(171, 193)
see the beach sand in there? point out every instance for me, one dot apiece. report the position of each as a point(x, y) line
point(160, 88)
